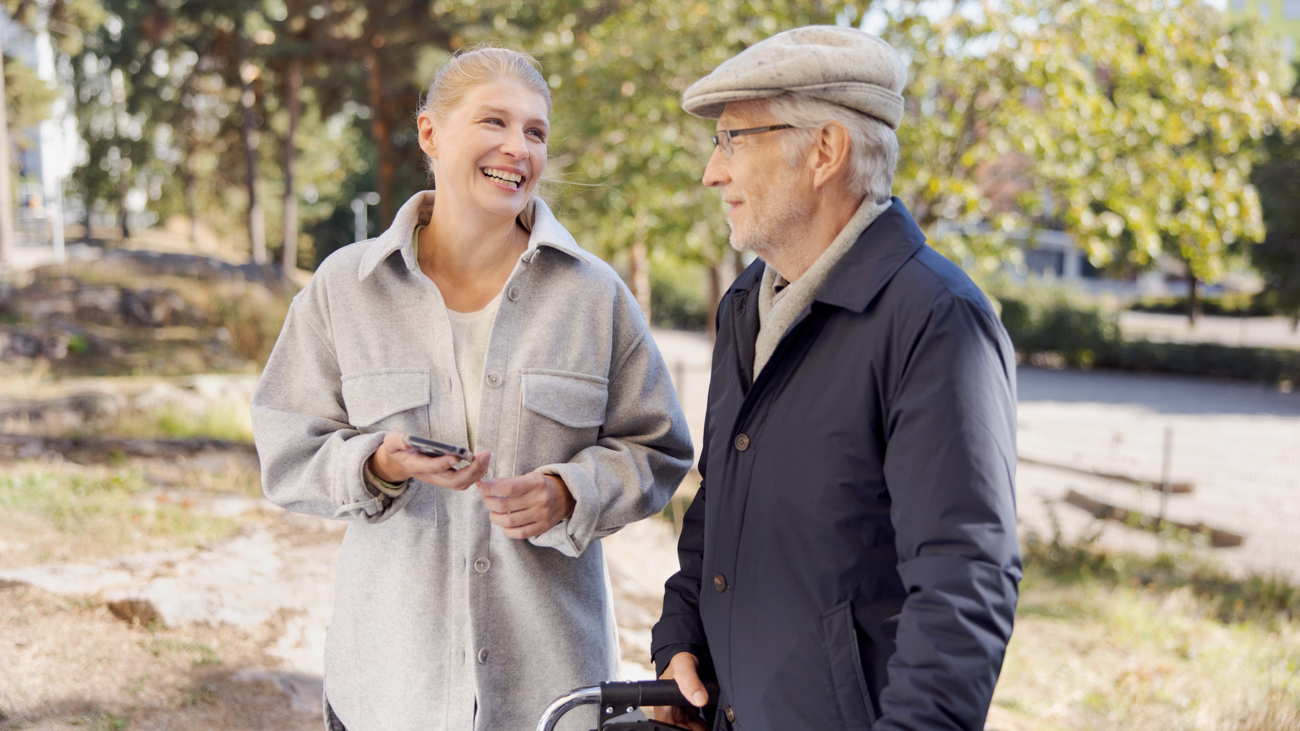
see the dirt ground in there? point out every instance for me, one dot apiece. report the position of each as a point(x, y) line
point(72, 664)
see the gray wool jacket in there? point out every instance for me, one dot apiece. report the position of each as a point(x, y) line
point(440, 621)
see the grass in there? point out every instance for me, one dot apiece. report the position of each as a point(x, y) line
point(92, 514)
point(100, 721)
point(228, 420)
point(202, 654)
point(1110, 640)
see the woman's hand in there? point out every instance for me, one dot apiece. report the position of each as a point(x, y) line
point(396, 462)
point(527, 505)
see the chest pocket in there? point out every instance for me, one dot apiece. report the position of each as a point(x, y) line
point(399, 399)
point(561, 415)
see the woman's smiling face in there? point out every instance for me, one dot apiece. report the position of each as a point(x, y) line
point(490, 151)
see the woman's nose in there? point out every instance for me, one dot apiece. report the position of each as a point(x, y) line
point(516, 144)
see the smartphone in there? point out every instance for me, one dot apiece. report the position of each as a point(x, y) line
point(439, 449)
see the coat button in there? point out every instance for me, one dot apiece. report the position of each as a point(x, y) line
point(494, 379)
point(482, 656)
point(513, 294)
point(742, 442)
point(720, 582)
point(731, 715)
point(481, 565)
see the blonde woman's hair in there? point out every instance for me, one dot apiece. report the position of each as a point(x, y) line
point(475, 65)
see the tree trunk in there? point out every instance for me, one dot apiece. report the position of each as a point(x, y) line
point(715, 297)
point(381, 130)
point(1193, 300)
point(6, 200)
point(293, 84)
point(639, 273)
point(248, 137)
point(190, 170)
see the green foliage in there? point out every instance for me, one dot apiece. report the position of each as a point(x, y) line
point(1042, 318)
point(1277, 257)
point(1053, 327)
point(678, 295)
point(617, 74)
point(1132, 124)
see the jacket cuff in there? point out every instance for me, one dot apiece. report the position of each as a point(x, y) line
point(572, 535)
point(359, 501)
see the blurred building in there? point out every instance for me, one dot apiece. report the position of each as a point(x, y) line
point(44, 155)
point(1279, 16)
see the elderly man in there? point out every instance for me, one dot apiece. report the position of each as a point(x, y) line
point(850, 560)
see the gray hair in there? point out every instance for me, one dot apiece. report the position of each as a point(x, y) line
point(874, 153)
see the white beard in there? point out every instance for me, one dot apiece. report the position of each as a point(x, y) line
point(773, 218)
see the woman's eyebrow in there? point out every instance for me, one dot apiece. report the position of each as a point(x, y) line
point(503, 112)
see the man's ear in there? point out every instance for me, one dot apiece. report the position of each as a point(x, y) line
point(830, 153)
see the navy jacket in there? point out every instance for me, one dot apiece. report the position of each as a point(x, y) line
point(850, 561)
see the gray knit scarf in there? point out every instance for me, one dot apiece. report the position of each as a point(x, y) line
point(780, 302)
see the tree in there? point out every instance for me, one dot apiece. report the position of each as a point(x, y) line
point(633, 158)
point(1132, 125)
point(1277, 257)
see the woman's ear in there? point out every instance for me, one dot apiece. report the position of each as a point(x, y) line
point(428, 135)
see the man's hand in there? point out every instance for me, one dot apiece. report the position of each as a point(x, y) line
point(684, 668)
point(527, 505)
point(396, 462)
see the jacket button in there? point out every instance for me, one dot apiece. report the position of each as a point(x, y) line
point(720, 582)
point(731, 715)
point(494, 379)
point(513, 294)
point(482, 656)
point(481, 565)
point(742, 442)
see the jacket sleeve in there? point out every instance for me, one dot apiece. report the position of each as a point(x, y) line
point(950, 463)
point(313, 460)
point(640, 456)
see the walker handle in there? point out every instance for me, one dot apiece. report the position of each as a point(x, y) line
point(649, 693)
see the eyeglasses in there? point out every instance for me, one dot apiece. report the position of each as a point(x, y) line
point(723, 138)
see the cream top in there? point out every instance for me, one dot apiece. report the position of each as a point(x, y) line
point(470, 333)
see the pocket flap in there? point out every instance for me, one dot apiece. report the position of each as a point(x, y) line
point(573, 399)
point(372, 396)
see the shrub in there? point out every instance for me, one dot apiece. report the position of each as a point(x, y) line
point(1053, 326)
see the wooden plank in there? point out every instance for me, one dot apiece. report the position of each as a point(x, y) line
point(1133, 519)
point(1175, 488)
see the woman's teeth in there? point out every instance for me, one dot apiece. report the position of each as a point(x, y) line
point(503, 177)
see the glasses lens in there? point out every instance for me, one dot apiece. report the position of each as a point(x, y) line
point(723, 140)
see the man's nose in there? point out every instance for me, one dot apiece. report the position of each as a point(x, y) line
point(715, 173)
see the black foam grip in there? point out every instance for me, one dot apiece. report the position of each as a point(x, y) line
point(649, 693)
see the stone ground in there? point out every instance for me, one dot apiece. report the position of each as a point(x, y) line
point(230, 635)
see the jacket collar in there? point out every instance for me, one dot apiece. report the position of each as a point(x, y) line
point(543, 228)
point(866, 267)
point(879, 253)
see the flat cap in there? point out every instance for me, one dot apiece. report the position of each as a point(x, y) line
point(844, 66)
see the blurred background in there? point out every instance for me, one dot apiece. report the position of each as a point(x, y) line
point(1122, 177)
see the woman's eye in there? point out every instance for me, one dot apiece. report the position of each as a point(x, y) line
point(494, 120)
point(540, 135)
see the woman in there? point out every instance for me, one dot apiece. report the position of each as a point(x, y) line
point(469, 598)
